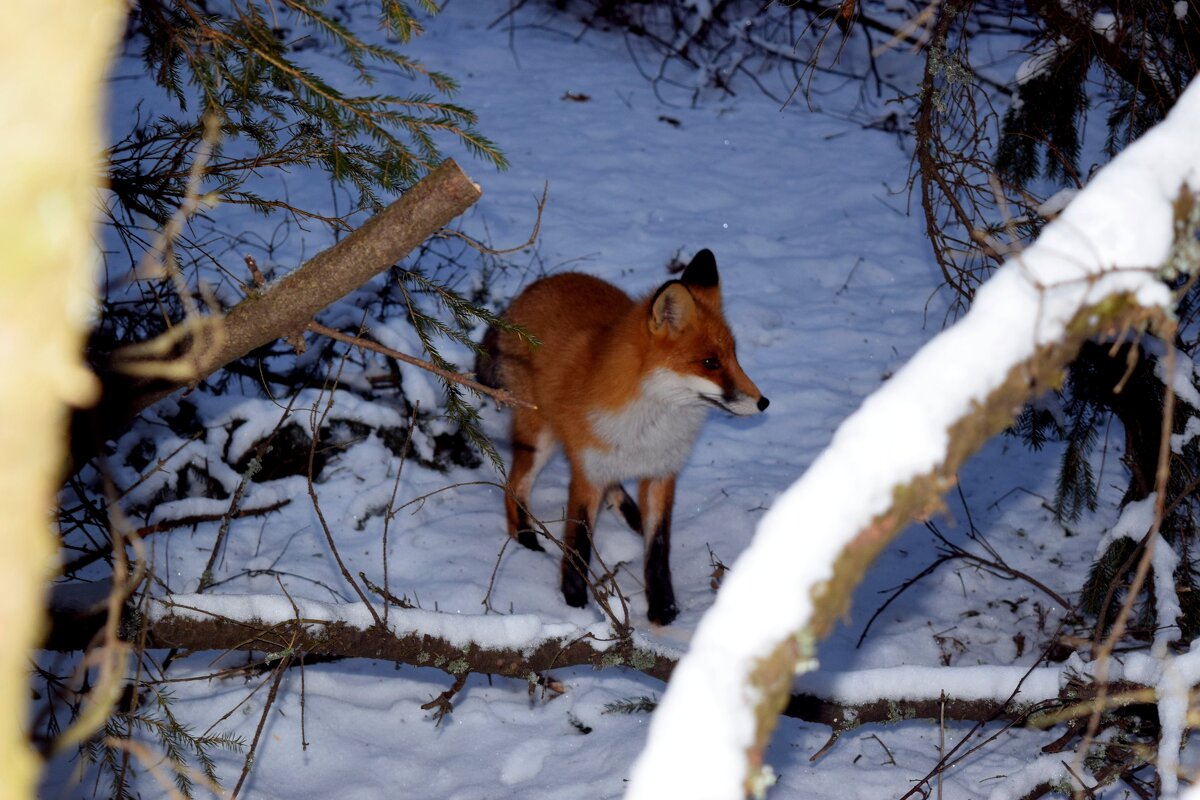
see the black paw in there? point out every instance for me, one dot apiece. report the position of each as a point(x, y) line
point(574, 589)
point(663, 613)
point(530, 540)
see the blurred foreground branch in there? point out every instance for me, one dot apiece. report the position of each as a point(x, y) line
point(53, 56)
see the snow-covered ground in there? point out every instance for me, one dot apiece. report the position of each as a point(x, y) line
point(829, 287)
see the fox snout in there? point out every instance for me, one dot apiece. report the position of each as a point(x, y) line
point(738, 394)
point(740, 404)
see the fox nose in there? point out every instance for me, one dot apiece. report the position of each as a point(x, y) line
point(763, 402)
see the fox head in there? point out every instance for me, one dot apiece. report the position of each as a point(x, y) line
point(694, 344)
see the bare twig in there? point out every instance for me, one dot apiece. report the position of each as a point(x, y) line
point(382, 591)
point(891, 758)
point(82, 561)
point(1102, 656)
point(316, 425)
point(280, 670)
point(482, 248)
point(108, 647)
point(500, 395)
point(158, 261)
point(387, 518)
point(442, 702)
point(487, 596)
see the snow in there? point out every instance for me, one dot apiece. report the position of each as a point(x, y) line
point(829, 288)
point(257, 418)
point(910, 682)
point(1163, 561)
point(1050, 769)
point(1180, 379)
point(1056, 202)
point(1173, 703)
point(1135, 522)
point(1105, 24)
point(187, 507)
point(1190, 431)
point(499, 631)
point(1037, 65)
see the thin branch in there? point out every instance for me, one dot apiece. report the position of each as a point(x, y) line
point(441, 705)
point(169, 525)
point(316, 503)
point(387, 518)
point(280, 670)
point(482, 248)
point(500, 395)
point(1104, 652)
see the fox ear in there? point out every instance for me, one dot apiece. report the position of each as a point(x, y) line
point(672, 309)
point(702, 272)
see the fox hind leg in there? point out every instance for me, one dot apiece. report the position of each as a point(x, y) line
point(620, 502)
point(532, 446)
point(583, 505)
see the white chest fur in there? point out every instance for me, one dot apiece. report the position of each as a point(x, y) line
point(653, 435)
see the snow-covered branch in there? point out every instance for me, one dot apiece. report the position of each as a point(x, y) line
point(523, 645)
point(513, 645)
point(1091, 273)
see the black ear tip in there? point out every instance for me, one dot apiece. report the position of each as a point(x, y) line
point(703, 269)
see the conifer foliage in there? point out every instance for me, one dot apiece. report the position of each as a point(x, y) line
point(245, 64)
point(241, 96)
point(1140, 55)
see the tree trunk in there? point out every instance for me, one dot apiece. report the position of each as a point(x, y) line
point(53, 55)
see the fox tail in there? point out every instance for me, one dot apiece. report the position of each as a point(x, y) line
point(487, 359)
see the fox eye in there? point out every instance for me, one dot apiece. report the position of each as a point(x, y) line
point(711, 364)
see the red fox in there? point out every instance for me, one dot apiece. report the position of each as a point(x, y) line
point(624, 387)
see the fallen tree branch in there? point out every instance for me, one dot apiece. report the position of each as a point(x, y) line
point(282, 308)
point(195, 622)
point(522, 646)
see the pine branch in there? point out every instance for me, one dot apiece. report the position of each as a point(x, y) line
point(1131, 68)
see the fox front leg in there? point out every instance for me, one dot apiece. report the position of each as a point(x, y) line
point(657, 498)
